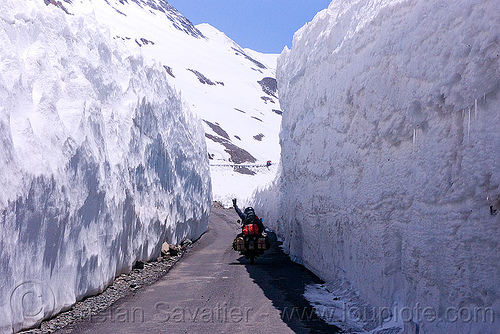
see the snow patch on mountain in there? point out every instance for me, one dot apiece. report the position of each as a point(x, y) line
point(389, 176)
point(214, 75)
point(100, 161)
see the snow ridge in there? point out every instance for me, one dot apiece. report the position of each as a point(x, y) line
point(214, 75)
point(179, 21)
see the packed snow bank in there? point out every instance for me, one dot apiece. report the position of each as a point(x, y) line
point(230, 182)
point(390, 164)
point(100, 162)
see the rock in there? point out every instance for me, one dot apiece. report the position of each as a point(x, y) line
point(186, 243)
point(138, 265)
point(218, 204)
point(164, 249)
point(174, 250)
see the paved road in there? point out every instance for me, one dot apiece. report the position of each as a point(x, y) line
point(215, 290)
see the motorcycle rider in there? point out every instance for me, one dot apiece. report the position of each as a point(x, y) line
point(249, 216)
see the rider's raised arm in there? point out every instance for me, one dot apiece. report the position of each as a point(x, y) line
point(238, 211)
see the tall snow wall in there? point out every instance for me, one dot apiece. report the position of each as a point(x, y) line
point(390, 164)
point(100, 162)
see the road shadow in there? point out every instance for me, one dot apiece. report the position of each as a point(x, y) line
point(283, 282)
point(240, 263)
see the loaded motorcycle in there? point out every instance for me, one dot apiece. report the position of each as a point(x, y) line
point(250, 242)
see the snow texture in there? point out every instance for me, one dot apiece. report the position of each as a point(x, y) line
point(214, 75)
point(390, 166)
point(100, 161)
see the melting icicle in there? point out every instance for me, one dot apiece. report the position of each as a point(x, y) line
point(475, 110)
point(468, 127)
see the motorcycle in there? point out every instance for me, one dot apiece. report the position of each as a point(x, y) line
point(250, 243)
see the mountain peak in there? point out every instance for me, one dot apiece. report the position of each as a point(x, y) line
point(179, 21)
point(154, 7)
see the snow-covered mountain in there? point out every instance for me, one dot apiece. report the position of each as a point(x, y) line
point(390, 175)
point(232, 89)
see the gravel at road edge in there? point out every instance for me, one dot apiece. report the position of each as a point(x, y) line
point(122, 286)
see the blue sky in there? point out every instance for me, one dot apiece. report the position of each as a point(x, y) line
point(262, 25)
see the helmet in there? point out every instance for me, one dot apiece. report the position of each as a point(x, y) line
point(248, 210)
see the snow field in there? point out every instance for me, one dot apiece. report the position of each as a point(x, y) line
point(228, 184)
point(220, 60)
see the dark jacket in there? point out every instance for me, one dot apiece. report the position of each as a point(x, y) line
point(244, 216)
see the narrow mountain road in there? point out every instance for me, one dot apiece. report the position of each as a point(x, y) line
point(215, 290)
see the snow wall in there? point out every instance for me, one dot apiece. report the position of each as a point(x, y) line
point(390, 164)
point(100, 162)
